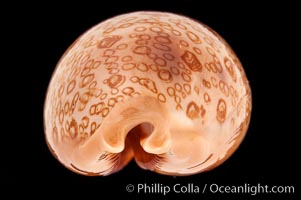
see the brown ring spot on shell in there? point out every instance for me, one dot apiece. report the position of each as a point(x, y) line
point(221, 110)
point(192, 110)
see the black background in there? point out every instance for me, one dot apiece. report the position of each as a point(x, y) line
point(263, 37)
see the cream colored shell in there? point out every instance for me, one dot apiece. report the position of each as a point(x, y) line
point(158, 87)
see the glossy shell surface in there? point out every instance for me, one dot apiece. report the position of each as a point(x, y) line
point(158, 87)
